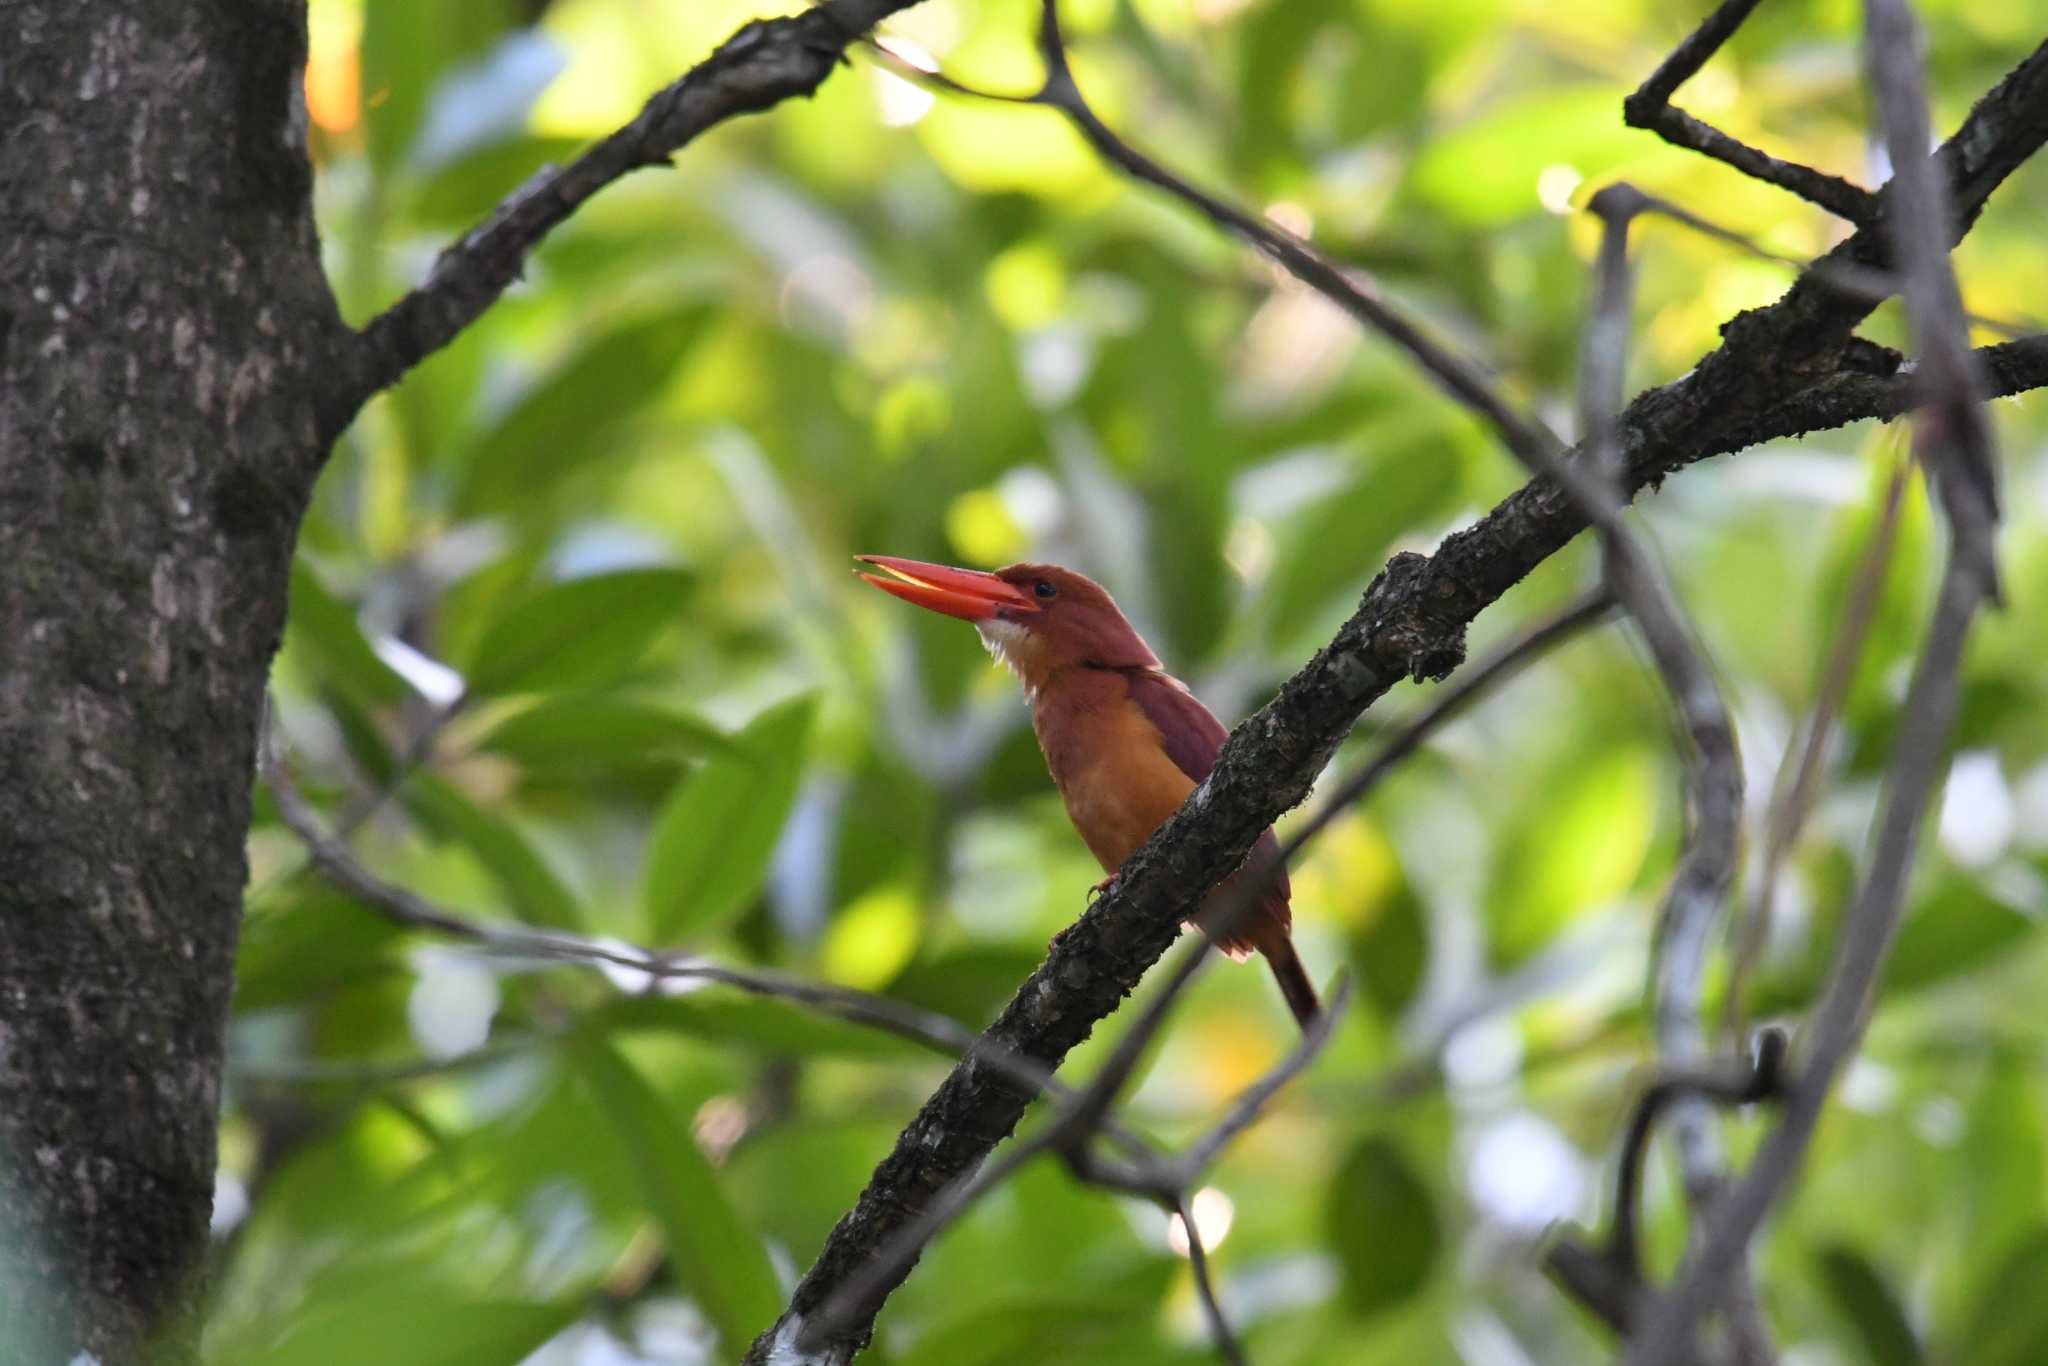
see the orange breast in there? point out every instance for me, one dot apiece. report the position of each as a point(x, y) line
point(1110, 764)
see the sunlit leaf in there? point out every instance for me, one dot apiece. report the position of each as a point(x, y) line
point(1580, 847)
point(1485, 172)
point(578, 633)
point(711, 844)
point(718, 1262)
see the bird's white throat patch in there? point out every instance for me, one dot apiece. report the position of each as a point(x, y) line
point(1006, 641)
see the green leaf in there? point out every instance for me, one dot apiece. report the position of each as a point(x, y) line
point(1392, 951)
point(1344, 541)
point(308, 943)
point(718, 1262)
point(322, 630)
point(469, 187)
point(969, 984)
point(713, 839)
point(1103, 1318)
point(1384, 1226)
point(1862, 1297)
point(1581, 848)
point(2009, 1326)
point(529, 884)
point(585, 733)
point(407, 45)
point(1276, 41)
point(2002, 1163)
point(577, 413)
point(400, 1323)
point(576, 634)
point(1955, 930)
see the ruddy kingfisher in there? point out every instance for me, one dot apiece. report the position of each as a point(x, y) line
point(1125, 740)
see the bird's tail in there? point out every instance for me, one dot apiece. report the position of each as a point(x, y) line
point(1278, 951)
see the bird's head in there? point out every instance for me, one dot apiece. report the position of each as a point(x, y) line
point(1039, 619)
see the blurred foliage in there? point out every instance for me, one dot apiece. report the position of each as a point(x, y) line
point(572, 643)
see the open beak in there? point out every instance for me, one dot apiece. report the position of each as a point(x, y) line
point(965, 593)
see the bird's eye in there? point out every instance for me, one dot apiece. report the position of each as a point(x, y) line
point(1044, 589)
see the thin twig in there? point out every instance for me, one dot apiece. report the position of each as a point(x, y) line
point(1955, 440)
point(1227, 1345)
point(1346, 287)
point(1699, 888)
point(340, 866)
point(1873, 286)
point(1799, 770)
point(1650, 108)
point(1610, 1280)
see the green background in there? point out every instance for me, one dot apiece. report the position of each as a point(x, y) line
point(621, 509)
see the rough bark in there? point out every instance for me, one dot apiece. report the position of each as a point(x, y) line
point(161, 312)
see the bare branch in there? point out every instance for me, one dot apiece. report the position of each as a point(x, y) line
point(765, 62)
point(1955, 440)
point(1650, 107)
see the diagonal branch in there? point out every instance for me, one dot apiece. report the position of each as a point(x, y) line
point(1778, 370)
point(765, 62)
point(1650, 108)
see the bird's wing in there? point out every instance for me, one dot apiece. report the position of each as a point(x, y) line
point(1191, 731)
point(1193, 739)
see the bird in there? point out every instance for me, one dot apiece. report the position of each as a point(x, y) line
point(1125, 740)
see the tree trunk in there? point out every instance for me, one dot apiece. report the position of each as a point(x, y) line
point(162, 319)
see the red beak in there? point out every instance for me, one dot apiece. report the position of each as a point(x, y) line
point(965, 593)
